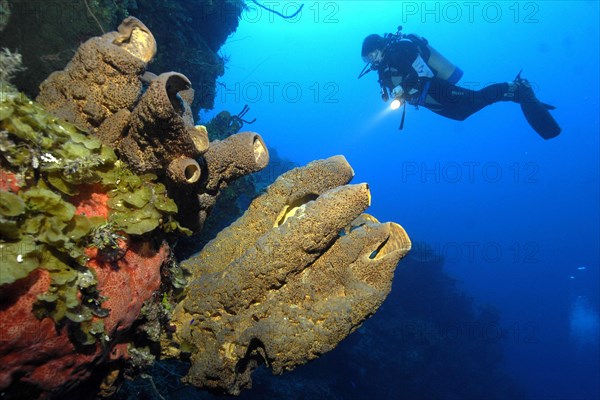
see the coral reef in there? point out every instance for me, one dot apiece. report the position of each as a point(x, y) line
point(85, 236)
point(154, 132)
point(189, 35)
point(77, 263)
point(280, 285)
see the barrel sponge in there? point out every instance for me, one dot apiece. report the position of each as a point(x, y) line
point(102, 78)
point(292, 277)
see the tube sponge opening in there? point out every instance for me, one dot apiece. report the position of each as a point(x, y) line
point(184, 170)
point(261, 154)
point(294, 209)
point(397, 240)
point(199, 137)
point(173, 84)
point(136, 39)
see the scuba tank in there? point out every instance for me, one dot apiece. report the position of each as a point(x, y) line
point(445, 69)
point(440, 65)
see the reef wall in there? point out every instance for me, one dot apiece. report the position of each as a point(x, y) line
point(98, 181)
point(85, 238)
point(83, 246)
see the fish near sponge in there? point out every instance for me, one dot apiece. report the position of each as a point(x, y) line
point(307, 270)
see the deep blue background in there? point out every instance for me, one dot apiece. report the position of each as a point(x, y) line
point(516, 217)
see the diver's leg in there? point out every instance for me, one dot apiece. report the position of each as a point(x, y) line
point(459, 103)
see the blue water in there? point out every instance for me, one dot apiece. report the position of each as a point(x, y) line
point(515, 217)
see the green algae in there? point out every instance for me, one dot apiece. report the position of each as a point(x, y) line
point(39, 229)
point(11, 205)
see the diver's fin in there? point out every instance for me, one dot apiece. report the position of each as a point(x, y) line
point(548, 106)
point(535, 111)
point(539, 118)
point(518, 77)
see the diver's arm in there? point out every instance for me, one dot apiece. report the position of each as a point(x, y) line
point(399, 66)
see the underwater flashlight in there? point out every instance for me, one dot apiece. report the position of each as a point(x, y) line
point(396, 103)
point(397, 92)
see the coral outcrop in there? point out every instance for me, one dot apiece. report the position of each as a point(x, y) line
point(298, 272)
point(47, 33)
point(77, 261)
point(101, 90)
point(103, 77)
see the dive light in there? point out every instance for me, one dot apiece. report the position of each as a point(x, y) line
point(397, 92)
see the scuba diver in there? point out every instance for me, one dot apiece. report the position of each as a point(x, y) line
point(414, 72)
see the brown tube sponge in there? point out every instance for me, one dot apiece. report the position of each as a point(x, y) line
point(225, 160)
point(161, 128)
point(238, 155)
point(287, 193)
point(113, 128)
point(135, 38)
point(184, 170)
point(298, 242)
point(102, 78)
point(298, 272)
point(326, 302)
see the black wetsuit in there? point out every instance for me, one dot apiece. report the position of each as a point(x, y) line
point(438, 95)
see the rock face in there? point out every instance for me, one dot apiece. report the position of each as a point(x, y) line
point(297, 273)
